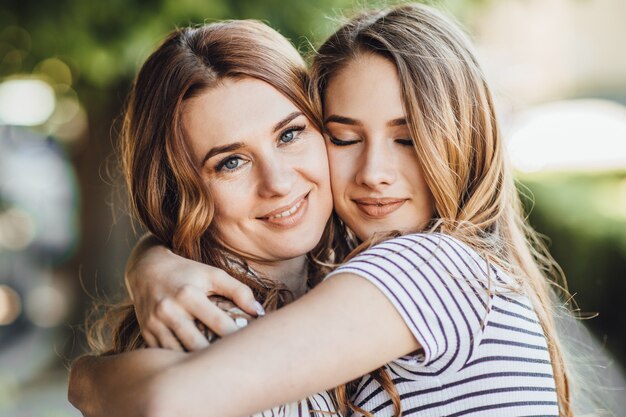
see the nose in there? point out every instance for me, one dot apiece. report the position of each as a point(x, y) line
point(378, 168)
point(277, 178)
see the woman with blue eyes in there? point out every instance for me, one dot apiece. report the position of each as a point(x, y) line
point(441, 306)
point(224, 163)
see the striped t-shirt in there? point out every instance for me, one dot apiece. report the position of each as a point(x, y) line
point(317, 405)
point(483, 350)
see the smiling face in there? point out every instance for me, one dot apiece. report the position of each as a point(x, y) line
point(265, 166)
point(376, 178)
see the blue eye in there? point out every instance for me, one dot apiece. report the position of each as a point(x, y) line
point(287, 136)
point(291, 134)
point(230, 164)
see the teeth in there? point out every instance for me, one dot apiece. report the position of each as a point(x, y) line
point(287, 212)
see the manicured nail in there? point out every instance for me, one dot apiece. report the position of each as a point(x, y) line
point(260, 311)
point(241, 322)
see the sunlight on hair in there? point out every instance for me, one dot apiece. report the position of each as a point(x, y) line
point(577, 135)
point(26, 102)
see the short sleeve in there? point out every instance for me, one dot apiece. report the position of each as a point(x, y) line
point(440, 288)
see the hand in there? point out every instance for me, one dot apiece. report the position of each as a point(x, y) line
point(241, 317)
point(170, 292)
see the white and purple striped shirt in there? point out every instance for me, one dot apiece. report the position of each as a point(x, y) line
point(483, 352)
point(317, 405)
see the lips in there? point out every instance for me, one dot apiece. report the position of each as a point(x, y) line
point(379, 208)
point(288, 215)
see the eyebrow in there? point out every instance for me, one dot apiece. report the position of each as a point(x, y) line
point(238, 145)
point(286, 120)
point(221, 149)
point(401, 121)
point(333, 118)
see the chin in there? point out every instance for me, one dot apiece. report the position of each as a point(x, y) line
point(364, 233)
point(292, 248)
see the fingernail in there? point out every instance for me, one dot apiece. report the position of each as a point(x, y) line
point(260, 311)
point(241, 322)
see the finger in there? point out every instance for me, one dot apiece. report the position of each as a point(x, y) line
point(147, 329)
point(185, 330)
point(213, 317)
point(200, 307)
point(150, 339)
point(165, 311)
point(238, 292)
point(166, 339)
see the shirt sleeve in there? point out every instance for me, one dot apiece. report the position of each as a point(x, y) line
point(439, 286)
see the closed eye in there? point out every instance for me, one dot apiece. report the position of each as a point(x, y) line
point(405, 142)
point(340, 142)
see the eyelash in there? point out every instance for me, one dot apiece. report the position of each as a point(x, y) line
point(405, 142)
point(296, 129)
point(221, 165)
point(339, 142)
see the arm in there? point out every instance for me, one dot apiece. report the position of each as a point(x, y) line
point(340, 330)
point(419, 291)
point(322, 340)
point(169, 292)
point(117, 384)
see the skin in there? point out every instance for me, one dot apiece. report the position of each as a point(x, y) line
point(378, 184)
point(331, 330)
point(267, 173)
point(262, 169)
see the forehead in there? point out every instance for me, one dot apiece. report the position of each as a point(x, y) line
point(234, 110)
point(368, 84)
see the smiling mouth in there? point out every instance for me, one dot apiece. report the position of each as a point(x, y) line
point(290, 215)
point(379, 208)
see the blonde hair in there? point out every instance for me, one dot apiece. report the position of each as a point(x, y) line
point(451, 116)
point(166, 191)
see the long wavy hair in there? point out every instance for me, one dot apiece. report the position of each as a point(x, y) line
point(167, 194)
point(451, 116)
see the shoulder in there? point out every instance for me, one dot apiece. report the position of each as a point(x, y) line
point(439, 286)
point(417, 261)
point(419, 250)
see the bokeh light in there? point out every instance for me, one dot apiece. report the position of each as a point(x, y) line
point(17, 229)
point(26, 102)
point(569, 135)
point(46, 306)
point(10, 305)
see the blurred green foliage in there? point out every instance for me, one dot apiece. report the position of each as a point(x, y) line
point(104, 42)
point(584, 216)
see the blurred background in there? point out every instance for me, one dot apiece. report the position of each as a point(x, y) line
point(66, 67)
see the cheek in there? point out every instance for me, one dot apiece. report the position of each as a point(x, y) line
point(341, 166)
point(316, 161)
point(417, 182)
point(231, 201)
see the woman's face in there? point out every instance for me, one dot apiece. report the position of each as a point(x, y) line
point(265, 166)
point(377, 182)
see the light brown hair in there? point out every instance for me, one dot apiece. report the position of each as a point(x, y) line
point(451, 117)
point(166, 191)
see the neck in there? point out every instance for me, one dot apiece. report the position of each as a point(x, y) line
point(291, 272)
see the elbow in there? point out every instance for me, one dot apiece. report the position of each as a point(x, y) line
point(78, 386)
